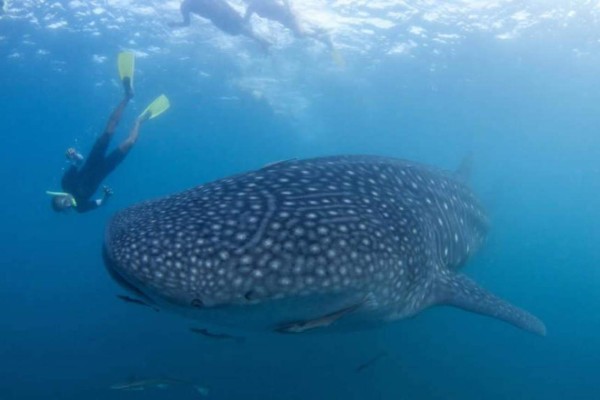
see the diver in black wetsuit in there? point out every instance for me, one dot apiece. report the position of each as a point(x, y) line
point(80, 183)
point(84, 177)
point(222, 15)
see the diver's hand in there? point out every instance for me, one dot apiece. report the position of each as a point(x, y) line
point(107, 191)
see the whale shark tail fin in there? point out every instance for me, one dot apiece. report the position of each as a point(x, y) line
point(460, 291)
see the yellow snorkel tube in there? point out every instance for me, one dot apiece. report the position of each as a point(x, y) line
point(60, 194)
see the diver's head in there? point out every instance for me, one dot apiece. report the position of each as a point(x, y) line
point(63, 202)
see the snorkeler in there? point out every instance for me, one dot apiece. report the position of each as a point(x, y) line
point(80, 182)
point(222, 15)
point(281, 11)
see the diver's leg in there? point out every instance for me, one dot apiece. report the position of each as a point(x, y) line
point(110, 162)
point(113, 159)
point(115, 117)
point(103, 141)
point(128, 143)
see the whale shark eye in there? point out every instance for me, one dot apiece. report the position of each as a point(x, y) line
point(197, 303)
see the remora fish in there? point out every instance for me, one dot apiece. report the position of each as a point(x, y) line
point(302, 239)
point(320, 322)
point(132, 300)
point(214, 335)
point(162, 383)
point(370, 362)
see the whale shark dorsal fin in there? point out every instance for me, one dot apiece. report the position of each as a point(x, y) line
point(463, 172)
point(460, 291)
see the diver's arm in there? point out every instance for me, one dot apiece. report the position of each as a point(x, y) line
point(89, 205)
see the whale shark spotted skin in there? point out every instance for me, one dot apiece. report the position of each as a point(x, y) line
point(382, 237)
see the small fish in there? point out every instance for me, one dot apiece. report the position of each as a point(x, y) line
point(321, 322)
point(133, 300)
point(161, 383)
point(370, 362)
point(218, 336)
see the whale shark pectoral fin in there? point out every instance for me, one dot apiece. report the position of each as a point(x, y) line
point(460, 291)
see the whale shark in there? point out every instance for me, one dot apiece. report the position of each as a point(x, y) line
point(299, 245)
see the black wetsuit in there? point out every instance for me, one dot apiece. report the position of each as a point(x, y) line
point(83, 182)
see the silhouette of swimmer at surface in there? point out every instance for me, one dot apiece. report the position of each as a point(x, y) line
point(222, 15)
point(281, 12)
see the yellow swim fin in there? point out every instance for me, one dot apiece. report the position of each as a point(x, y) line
point(157, 107)
point(126, 63)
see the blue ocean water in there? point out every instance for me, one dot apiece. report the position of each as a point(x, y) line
point(515, 83)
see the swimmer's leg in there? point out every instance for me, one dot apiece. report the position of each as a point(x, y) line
point(101, 145)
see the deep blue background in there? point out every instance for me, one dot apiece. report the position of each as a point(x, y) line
point(527, 108)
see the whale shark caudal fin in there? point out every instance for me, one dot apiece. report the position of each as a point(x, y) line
point(460, 291)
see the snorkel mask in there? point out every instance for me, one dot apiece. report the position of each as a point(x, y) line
point(68, 196)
